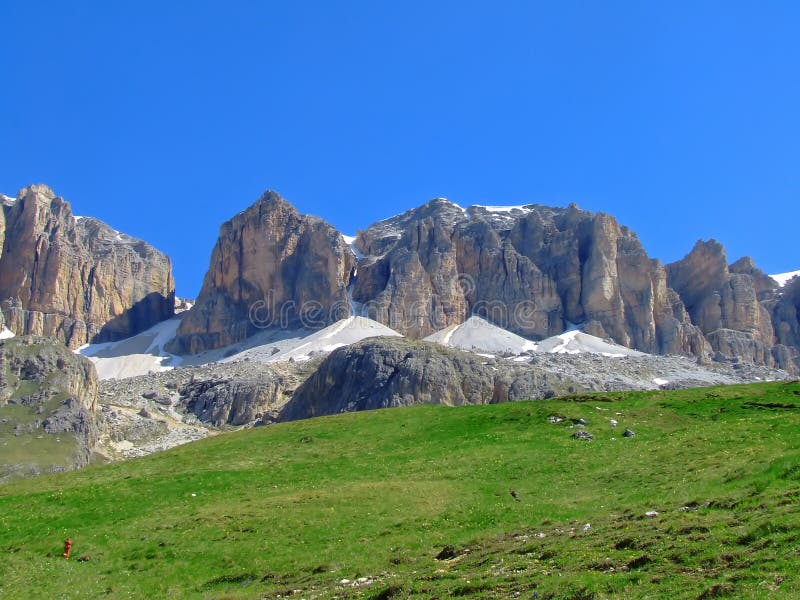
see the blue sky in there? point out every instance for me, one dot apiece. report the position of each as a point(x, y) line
point(166, 118)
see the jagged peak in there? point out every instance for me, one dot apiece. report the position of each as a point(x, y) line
point(38, 188)
point(272, 196)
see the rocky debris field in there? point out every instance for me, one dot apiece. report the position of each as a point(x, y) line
point(391, 372)
point(146, 414)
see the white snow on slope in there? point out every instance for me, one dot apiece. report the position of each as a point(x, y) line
point(144, 353)
point(304, 346)
point(7, 200)
point(350, 240)
point(6, 333)
point(477, 334)
point(577, 342)
point(137, 355)
point(783, 278)
point(504, 209)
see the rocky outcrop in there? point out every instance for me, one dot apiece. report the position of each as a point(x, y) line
point(270, 267)
point(532, 269)
point(786, 323)
point(76, 279)
point(412, 284)
point(765, 286)
point(529, 269)
point(48, 407)
point(235, 401)
point(726, 303)
point(394, 372)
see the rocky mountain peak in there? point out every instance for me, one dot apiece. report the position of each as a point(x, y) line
point(77, 280)
point(270, 267)
point(764, 284)
point(531, 269)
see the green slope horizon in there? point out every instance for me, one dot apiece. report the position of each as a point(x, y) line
point(493, 501)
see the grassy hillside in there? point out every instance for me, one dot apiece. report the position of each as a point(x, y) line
point(294, 509)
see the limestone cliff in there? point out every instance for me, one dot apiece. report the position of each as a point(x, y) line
point(530, 269)
point(77, 280)
point(270, 267)
point(724, 302)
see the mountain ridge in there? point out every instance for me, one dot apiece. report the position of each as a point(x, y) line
point(531, 269)
point(77, 280)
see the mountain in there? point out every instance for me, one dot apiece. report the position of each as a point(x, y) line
point(532, 270)
point(728, 303)
point(297, 320)
point(271, 267)
point(75, 279)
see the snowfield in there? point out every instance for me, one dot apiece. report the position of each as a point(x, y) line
point(577, 342)
point(478, 335)
point(137, 355)
point(783, 278)
point(303, 347)
point(144, 353)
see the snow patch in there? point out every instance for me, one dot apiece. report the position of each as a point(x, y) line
point(304, 344)
point(659, 381)
point(577, 342)
point(505, 209)
point(6, 333)
point(350, 240)
point(137, 355)
point(783, 278)
point(479, 335)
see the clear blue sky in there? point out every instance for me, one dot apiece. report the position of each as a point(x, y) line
point(164, 119)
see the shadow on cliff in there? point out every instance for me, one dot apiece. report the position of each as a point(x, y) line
point(145, 313)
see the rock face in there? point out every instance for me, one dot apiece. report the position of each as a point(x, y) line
point(393, 372)
point(532, 270)
point(529, 269)
point(77, 280)
point(234, 401)
point(738, 308)
point(271, 267)
point(390, 372)
point(48, 407)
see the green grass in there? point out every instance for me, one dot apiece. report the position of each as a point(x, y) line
point(300, 506)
